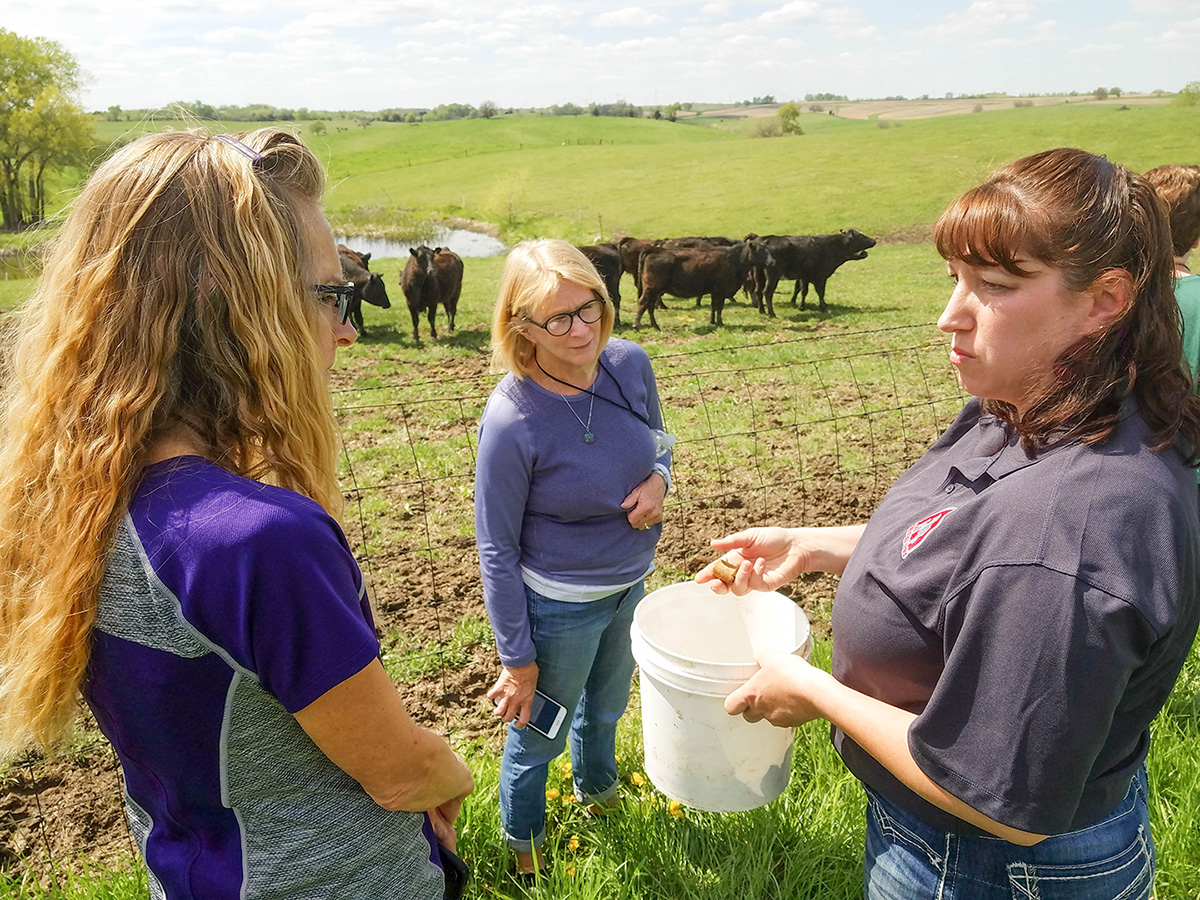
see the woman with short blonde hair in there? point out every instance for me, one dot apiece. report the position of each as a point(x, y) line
point(526, 287)
point(572, 469)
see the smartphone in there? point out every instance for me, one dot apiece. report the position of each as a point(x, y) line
point(547, 715)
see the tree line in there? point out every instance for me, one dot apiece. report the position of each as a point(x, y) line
point(43, 128)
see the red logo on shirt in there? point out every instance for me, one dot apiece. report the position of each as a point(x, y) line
point(921, 530)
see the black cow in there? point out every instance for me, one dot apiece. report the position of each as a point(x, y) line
point(607, 260)
point(719, 271)
point(367, 286)
point(809, 259)
point(694, 242)
point(430, 277)
point(355, 255)
point(630, 250)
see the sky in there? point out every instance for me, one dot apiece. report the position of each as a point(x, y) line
point(380, 54)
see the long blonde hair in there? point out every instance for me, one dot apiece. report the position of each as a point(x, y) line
point(532, 273)
point(173, 298)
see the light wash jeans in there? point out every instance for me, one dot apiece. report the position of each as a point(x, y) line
point(1111, 860)
point(584, 662)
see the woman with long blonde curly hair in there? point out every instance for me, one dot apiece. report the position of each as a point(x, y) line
point(169, 543)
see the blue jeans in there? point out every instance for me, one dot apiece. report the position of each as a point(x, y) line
point(584, 662)
point(909, 860)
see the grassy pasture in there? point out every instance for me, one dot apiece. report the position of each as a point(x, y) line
point(843, 173)
point(795, 419)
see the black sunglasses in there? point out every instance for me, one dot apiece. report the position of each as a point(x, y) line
point(336, 296)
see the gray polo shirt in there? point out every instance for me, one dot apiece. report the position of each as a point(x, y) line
point(1033, 613)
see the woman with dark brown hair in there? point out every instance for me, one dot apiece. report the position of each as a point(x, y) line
point(1019, 606)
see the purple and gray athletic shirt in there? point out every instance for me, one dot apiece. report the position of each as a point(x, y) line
point(227, 605)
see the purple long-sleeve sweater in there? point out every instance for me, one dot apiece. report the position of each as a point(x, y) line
point(548, 504)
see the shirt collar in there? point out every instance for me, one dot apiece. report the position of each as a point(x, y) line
point(1000, 452)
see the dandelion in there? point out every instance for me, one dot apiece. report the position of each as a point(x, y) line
point(573, 843)
point(552, 794)
point(675, 809)
point(638, 779)
point(566, 772)
point(569, 799)
point(571, 871)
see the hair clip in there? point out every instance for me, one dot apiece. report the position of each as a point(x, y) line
point(239, 146)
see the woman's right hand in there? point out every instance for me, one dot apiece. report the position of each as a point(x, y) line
point(513, 693)
point(768, 558)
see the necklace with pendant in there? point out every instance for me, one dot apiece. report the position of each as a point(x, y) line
point(588, 437)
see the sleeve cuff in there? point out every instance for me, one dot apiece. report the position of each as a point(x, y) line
point(665, 473)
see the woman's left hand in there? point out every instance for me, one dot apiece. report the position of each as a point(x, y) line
point(780, 691)
point(645, 502)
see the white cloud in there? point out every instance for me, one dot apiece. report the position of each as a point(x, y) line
point(432, 27)
point(980, 17)
point(1095, 48)
point(1179, 35)
point(796, 11)
point(1165, 6)
point(234, 35)
point(628, 16)
point(849, 23)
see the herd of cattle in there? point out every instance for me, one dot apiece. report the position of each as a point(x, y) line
point(682, 267)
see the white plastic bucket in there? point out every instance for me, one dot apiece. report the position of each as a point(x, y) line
point(693, 649)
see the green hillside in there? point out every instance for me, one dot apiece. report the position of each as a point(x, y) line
point(586, 178)
point(549, 176)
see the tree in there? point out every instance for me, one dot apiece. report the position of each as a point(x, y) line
point(1114, 92)
point(1100, 93)
point(487, 109)
point(1189, 94)
point(317, 127)
point(789, 118)
point(42, 126)
point(766, 127)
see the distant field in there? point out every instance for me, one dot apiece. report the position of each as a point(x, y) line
point(553, 178)
point(581, 176)
point(587, 178)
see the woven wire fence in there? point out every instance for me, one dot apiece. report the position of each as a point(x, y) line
point(805, 431)
point(798, 432)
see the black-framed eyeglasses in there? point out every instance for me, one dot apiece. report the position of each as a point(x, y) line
point(336, 296)
point(560, 324)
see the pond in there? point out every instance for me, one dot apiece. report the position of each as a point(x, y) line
point(19, 265)
point(460, 240)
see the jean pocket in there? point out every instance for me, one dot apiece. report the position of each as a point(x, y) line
point(899, 833)
point(1125, 875)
